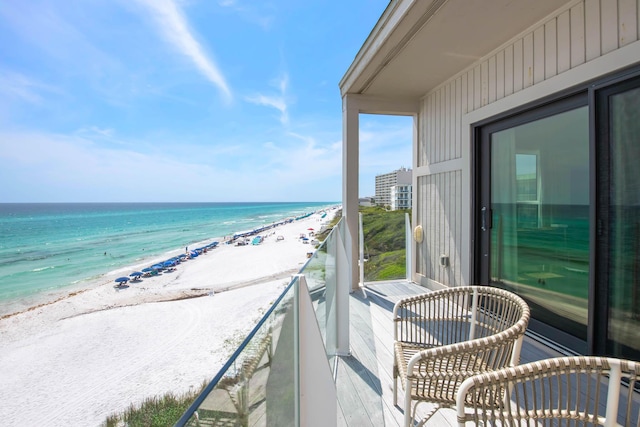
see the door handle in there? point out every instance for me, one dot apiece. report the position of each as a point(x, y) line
point(483, 218)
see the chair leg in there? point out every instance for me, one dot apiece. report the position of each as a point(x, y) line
point(395, 384)
point(408, 413)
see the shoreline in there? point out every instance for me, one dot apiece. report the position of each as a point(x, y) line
point(20, 304)
point(95, 351)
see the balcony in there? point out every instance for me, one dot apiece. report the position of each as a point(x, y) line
point(302, 365)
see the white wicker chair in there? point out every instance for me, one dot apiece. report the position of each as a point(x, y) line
point(584, 390)
point(446, 336)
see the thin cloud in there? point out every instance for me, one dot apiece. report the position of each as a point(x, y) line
point(19, 86)
point(175, 30)
point(275, 101)
point(253, 12)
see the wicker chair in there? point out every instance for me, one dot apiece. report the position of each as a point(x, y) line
point(587, 390)
point(444, 337)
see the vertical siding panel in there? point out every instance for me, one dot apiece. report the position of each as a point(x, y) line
point(442, 125)
point(435, 226)
point(438, 204)
point(470, 91)
point(550, 49)
point(484, 82)
point(452, 230)
point(508, 70)
point(564, 42)
point(451, 223)
point(445, 122)
point(464, 93)
point(459, 222)
point(452, 119)
point(592, 23)
point(425, 214)
point(628, 26)
point(432, 123)
point(477, 88)
point(500, 75)
point(436, 126)
point(578, 47)
point(492, 79)
point(609, 21)
point(428, 224)
point(458, 121)
point(527, 60)
point(455, 231)
point(539, 56)
point(518, 65)
point(426, 123)
point(424, 136)
point(436, 222)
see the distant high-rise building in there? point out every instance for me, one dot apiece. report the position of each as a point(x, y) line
point(394, 189)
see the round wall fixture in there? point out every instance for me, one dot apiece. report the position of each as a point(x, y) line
point(418, 234)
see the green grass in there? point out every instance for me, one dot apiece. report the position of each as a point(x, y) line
point(384, 241)
point(160, 411)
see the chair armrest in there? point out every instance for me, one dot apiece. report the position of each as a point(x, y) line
point(469, 357)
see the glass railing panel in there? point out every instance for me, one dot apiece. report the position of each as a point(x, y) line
point(320, 274)
point(256, 386)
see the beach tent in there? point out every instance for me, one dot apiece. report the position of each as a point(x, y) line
point(121, 281)
point(148, 271)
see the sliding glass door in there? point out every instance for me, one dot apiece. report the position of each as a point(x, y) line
point(557, 214)
point(619, 211)
point(535, 213)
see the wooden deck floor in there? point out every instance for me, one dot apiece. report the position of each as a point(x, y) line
point(365, 380)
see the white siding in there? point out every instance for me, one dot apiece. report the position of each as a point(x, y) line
point(577, 34)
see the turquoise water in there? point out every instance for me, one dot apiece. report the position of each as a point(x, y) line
point(48, 247)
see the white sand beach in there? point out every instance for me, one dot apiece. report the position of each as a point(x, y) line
point(92, 353)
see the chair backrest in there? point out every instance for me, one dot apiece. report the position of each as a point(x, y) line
point(459, 314)
point(586, 390)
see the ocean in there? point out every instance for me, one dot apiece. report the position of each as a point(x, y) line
point(51, 248)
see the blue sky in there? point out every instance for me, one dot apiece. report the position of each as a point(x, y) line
point(195, 100)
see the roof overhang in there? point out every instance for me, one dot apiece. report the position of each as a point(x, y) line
point(418, 44)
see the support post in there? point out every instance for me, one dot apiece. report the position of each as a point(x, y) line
point(350, 173)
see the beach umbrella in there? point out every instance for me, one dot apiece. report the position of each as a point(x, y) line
point(122, 280)
point(136, 274)
point(157, 267)
point(147, 270)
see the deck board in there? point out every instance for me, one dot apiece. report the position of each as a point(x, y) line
point(365, 378)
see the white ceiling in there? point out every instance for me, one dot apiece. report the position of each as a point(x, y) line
point(418, 44)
